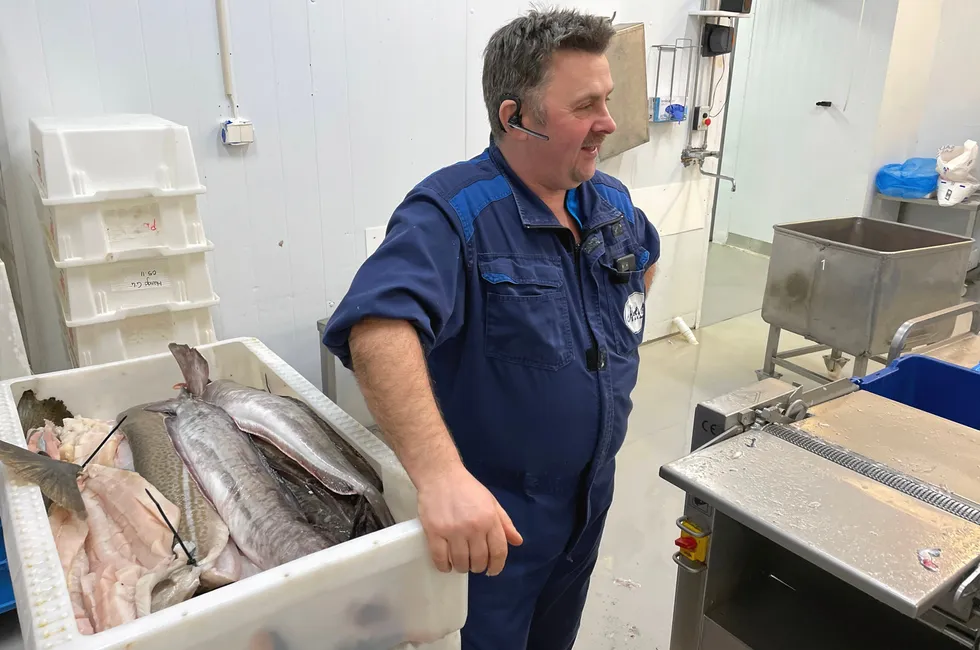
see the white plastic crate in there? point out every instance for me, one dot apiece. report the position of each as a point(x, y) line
point(138, 336)
point(107, 231)
point(99, 293)
point(378, 591)
point(84, 159)
point(13, 353)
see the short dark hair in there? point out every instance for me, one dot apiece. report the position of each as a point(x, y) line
point(516, 59)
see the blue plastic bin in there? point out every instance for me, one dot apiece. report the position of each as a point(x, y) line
point(7, 601)
point(929, 385)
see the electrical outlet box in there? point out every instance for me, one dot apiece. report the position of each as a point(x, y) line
point(701, 120)
point(237, 132)
point(373, 237)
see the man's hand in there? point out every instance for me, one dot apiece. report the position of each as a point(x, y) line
point(466, 528)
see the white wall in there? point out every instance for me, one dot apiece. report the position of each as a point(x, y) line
point(794, 160)
point(353, 102)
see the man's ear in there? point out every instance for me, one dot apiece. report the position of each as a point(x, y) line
point(507, 109)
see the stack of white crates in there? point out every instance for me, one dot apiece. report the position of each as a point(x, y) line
point(117, 198)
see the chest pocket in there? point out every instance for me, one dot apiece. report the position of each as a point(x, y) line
point(626, 298)
point(527, 319)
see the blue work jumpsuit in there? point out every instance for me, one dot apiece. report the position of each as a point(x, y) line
point(531, 343)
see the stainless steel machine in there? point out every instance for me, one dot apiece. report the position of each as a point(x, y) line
point(830, 519)
point(848, 283)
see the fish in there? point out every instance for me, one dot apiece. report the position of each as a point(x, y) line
point(129, 547)
point(262, 518)
point(336, 516)
point(156, 460)
point(33, 412)
point(353, 457)
point(70, 531)
point(57, 479)
point(284, 424)
point(80, 437)
point(45, 440)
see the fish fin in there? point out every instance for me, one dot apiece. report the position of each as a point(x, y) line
point(33, 412)
point(57, 479)
point(193, 366)
point(364, 520)
point(167, 406)
point(379, 506)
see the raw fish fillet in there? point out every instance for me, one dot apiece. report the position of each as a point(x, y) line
point(127, 542)
point(45, 439)
point(81, 436)
point(69, 532)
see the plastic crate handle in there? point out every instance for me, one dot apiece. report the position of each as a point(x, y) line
point(902, 334)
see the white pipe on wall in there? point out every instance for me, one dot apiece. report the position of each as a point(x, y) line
point(224, 46)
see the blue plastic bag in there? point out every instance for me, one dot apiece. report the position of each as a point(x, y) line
point(916, 178)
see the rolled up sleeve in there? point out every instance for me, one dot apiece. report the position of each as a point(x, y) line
point(416, 275)
point(648, 238)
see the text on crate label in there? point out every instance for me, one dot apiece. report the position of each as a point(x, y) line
point(147, 278)
point(132, 223)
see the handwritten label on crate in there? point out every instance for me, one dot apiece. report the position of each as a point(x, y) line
point(141, 279)
point(138, 222)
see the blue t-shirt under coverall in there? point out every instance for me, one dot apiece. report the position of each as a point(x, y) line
point(532, 348)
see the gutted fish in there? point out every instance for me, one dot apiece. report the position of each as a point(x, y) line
point(285, 424)
point(263, 519)
point(156, 460)
point(33, 412)
point(57, 479)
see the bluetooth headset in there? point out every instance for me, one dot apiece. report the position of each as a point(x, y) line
point(516, 119)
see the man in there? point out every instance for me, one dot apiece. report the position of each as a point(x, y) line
point(509, 293)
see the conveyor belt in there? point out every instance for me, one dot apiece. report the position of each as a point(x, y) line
point(883, 474)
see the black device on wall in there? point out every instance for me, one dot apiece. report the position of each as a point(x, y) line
point(716, 40)
point(736, 6)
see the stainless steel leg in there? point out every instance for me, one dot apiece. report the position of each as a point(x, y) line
point(772, 347)
point(860, 366)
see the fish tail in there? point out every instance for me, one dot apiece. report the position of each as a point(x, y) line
point(193, 366)
point(58, 480)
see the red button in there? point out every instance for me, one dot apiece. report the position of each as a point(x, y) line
point(686, 543)
point(707, 121)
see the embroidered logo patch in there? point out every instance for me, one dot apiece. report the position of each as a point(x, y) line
point(634, 311)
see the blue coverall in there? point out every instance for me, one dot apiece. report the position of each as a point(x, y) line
point(531, 343)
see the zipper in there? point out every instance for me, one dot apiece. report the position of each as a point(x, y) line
point(593, 356)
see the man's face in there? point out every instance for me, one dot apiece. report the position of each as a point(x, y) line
point(577, 119)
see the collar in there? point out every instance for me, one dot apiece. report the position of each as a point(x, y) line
point(584, 203)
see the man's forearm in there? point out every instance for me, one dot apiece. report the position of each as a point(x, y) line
point(391, 371)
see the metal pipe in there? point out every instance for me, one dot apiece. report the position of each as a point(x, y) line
point(719, 177)
point(724, 128)
point(224, 46)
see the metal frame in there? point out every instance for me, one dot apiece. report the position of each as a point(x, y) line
point(834, 361)
point(901, 337)
point(673, 49)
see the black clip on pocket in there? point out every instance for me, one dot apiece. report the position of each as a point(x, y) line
point(624, 266)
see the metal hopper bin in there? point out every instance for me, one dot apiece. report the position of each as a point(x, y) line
point(848, 283)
